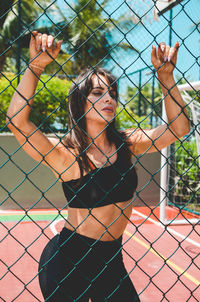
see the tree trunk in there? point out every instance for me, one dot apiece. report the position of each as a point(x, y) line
point(5, 8)
point(2, 62)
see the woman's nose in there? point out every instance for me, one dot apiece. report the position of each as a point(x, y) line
point(108, 97)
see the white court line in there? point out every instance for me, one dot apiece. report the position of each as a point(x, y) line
point(168, 228)
point(54, 231)
point(53, 226)
point(172, 264)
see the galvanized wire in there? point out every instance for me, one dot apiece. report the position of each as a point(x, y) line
point(109, 35)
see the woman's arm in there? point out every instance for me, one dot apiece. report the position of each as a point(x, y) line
point(164, 61)
point(35, 143)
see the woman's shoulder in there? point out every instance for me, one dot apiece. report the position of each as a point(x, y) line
point(60, 143)
point(131, 131)
point(68, 166)
point(132, 136)
point(66, 152)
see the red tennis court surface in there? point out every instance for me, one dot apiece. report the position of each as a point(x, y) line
point(164, 263)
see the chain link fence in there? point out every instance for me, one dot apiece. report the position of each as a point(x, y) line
point(116, 35)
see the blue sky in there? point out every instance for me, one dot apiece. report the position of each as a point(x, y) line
point(152, 32)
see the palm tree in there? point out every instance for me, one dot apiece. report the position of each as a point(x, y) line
point(140, 101)
point(87, 35)
point(17, 20)
point(91, 34)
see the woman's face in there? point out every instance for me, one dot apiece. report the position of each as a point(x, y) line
point(101, 103)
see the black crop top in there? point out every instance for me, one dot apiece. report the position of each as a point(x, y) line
point(102, 186)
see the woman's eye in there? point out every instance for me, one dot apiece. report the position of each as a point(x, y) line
point(97, 93)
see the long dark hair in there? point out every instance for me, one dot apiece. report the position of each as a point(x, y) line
point(77, 137)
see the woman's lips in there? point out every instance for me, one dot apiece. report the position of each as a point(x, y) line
point(108, 109)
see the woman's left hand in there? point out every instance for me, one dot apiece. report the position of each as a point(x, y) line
point(164, 59)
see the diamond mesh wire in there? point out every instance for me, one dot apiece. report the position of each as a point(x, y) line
point(117, 35)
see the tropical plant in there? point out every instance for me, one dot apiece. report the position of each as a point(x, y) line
point(125, 119)
point(87, 34)
point(91, 34)
point(140, 101)
point(50, 109)
point(18, 19)
point(187, 189)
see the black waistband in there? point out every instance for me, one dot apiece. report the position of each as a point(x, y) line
point(67, 234)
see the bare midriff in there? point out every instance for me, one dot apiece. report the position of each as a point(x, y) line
point(105, 223)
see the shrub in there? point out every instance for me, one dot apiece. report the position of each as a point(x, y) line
point(50, 109)
point(187, 167)
point(125, 118)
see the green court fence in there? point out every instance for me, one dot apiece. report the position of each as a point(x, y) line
point(117, 35)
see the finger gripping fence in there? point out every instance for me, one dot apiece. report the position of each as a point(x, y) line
point(118, 219)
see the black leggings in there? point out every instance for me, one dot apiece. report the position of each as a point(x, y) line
point(75, 268)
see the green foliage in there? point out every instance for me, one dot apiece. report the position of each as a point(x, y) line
point(125, 119)
point(187, 159)
point(87, 35)
point(188, 177)
point(9, 26)
point(140, 100)
point(91, 36)
point(7, 88)
point(50, 104)
point(5, 7)
point(63, 60)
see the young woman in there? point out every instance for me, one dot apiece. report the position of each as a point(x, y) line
point(94, 165)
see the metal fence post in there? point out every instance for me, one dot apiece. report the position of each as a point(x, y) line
point(18, 65)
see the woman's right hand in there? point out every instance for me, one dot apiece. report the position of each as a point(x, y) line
point(42, 44)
